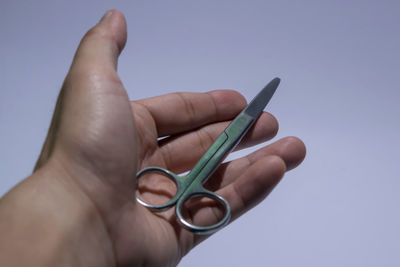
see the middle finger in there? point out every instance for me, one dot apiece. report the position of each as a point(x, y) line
point(181, 152)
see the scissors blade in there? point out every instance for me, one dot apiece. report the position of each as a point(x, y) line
point(232, 135)
point(259, 102)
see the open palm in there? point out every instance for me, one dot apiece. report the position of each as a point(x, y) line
point(103, 139)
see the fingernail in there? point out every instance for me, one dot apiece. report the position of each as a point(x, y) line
point(106, 16)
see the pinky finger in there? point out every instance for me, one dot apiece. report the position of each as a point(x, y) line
point(254, 185)
point(246, 191)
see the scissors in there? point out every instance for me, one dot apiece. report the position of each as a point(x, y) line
point(191, 185)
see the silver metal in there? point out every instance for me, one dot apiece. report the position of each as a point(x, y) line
point(192, 185)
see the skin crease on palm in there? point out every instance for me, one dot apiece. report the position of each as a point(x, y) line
point(79, 206)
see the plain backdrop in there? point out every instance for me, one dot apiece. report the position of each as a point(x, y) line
point(339, 65)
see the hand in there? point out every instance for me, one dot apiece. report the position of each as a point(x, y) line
point(97, 142)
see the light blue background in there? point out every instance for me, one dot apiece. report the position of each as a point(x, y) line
point(339, 64)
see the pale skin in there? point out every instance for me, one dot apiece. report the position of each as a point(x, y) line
point(78, 208)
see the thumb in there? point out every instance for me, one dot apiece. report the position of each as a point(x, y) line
point(101, 45)
point(93, 108)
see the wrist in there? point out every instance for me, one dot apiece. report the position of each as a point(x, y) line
point(50, 220)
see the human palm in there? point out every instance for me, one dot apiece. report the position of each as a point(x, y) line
point(102, 139)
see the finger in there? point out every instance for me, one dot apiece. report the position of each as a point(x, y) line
point(100, 47)
point(179, 112)
point(175, 149)
point(254, 184)
point(248, 190)
point(98, 51)
point(290, 149)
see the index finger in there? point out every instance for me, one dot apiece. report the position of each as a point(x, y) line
point(179, 112)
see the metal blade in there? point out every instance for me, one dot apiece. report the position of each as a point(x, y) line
point(258, 104)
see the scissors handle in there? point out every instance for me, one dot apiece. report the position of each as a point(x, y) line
point(179, 182)
point(186, 190)
point(203, 193)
